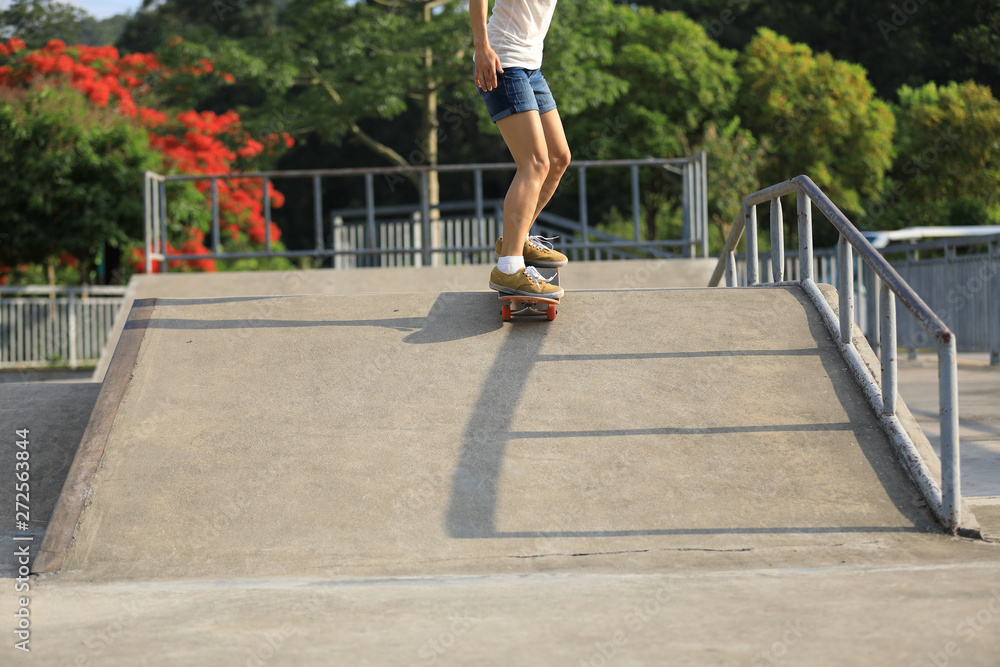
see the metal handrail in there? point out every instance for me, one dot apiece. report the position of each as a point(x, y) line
point(692, 170)
point(95, 290)
point(944, 500)
point(941, 244)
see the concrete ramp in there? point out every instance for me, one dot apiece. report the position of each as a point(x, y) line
point(416, 434)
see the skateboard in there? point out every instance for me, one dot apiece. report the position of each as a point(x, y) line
point(514, 304)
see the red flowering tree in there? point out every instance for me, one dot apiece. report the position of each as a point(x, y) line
point(189, 141)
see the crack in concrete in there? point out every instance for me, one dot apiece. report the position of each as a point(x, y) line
point(595, 553)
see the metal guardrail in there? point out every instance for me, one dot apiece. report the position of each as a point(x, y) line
point(944, 500)
point(42, 325)
point(694, 235)
point(964, 289)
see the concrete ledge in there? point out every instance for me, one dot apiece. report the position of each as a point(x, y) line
point(74, 493)
point(611, 274)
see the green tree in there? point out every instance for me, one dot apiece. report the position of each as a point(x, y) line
point(38, 21)
point(91, 162)
point(897, 41)
point(93, 32)
point(674, 80)
point(947, 170)
point(159, 21)
point(820, 116)
point(735, 158)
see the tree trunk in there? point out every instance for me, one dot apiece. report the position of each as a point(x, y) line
point(430, 127)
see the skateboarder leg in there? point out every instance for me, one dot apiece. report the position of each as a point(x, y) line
point(520, 103)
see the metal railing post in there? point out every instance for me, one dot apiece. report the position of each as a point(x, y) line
point(753, 261)
point(871, 283)
point(803, 207)
point(584, 222)
point(163, 225)
point(477, 182)
point(425, 220)
point(993, 261)
point(703, 163)
point(777, 241)
point(318, 216)
point(215, 215)
point(731, 279)
point(71, 306)
point(845, 287)
point(887, 350)
point(267, 216)
point(370, 260)
point(951, 485)
point(911, 350)
point(148, 219)
point(635, 203)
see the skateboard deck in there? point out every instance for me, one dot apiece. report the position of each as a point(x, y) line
point(515, 304)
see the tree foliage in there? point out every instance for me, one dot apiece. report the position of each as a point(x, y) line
point(70, 172)
point(188, 142)
point(36, 22)
point(821, 117)
point(898, 42)
point(947, 171)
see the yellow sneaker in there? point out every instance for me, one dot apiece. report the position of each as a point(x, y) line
point(526, 282)
point(539, 252)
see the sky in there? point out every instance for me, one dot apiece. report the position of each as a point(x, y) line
point(102, 9)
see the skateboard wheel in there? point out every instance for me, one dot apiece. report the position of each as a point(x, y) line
point(505, 312)
point(550, 312)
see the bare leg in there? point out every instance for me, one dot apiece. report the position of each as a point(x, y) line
point(559, 157)
point(525, 138)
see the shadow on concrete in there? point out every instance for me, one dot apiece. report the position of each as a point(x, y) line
point(55, 416)
point(453, 316)
point(868, 433)
point(778, 530)
point(970, 424)
point(472, 508)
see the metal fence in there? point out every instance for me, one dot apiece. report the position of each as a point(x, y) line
point(429, 246)
point(964, 290)
point(55, 326)
point(943, 499)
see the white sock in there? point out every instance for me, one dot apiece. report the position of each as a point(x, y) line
point(511, 264)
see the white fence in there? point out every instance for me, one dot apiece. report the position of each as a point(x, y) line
point(55, 326)
point(405, 236)
point(962, 290)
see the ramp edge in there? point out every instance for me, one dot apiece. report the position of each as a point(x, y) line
point(910, 457)
point(69, 506)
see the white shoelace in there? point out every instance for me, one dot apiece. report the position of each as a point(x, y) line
point(541, 242)
point(534, 276)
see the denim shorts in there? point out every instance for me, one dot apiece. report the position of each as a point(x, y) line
point(518, 90)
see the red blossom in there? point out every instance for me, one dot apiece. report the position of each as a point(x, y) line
point(189, 141)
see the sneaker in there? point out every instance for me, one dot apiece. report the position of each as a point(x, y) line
point(539, 252)
point(526, 282)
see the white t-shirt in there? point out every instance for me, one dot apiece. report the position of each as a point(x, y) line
point(517, 29)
